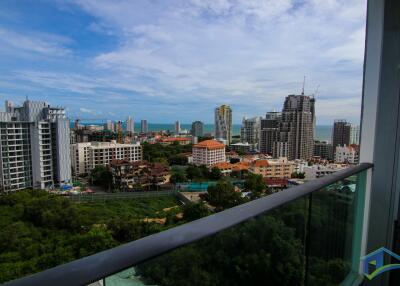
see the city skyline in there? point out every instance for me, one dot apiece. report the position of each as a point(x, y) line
point(105, 61)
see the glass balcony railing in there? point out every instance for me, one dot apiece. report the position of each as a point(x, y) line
point(305, 235)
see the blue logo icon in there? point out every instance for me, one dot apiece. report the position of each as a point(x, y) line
point(375, 260)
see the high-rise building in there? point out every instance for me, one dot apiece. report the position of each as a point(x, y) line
point(223, 123)
point(323, 150)
point(109, 125)
point(269, 132)
point(295, 139)
point(354, 134)
point(250, 131)
point(130, 125)
point(340, 133)
point(197, 129)
point(177, 127)
point(143, 126)
point(35, 152)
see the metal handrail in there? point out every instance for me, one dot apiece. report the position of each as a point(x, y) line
point(97, 266)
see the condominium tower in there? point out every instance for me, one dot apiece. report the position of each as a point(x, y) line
point(340, 133)
point(295, 138)
point(223, 123)
point(143, 126)
point(197, 128)
point(355, 134)
point(130, 125)
point(250, 131)
point(34, 146)
point(269, 132)
point(177, 127)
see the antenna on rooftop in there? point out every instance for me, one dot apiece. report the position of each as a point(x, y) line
point(304, 83)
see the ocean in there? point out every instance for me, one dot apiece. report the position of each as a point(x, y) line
point(322, 132)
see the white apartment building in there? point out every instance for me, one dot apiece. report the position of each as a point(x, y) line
point(355, 134)
point(34, 146)
point(86, 156)
point(346, 154)
point(317, 171)
point(208, 152)
point(250, 131)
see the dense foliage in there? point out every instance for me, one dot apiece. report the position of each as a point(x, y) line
point(267, 250)
point(101, 176)
point(168, 154)
point(39, 230)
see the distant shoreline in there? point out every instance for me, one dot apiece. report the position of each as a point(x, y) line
point(322, 132)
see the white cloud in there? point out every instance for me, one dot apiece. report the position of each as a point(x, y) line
point(192, 55)
point(40, 43)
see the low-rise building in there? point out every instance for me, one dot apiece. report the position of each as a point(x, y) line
point(317, 171)
point(273, 168)
point(347, 154)
point(241, 147)
point(208, 153)
point(86, 156)
point(128, 175)
point(175, 140)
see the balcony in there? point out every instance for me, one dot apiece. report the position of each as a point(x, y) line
point(305, 235)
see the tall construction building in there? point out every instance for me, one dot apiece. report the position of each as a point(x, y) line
point(340, 133)
point(295, 138)
point(143, 126)
point(130, 125)
point(250, 131)
point(223, 123)
point(269, 132)
point(35, 152)
point(197, 129)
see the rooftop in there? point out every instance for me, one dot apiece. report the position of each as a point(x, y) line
point(210, 144)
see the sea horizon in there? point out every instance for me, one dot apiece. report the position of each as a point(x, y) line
point(322, 132)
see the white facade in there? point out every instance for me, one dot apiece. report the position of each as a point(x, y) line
point(223, 123)
point(34, 144)
point(346, 154)
point(317, 171)
point(209, 152)
point(86, 156)
point(250, 131)
point(355, 134)
point(130, 125)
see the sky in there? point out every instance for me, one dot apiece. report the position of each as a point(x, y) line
point(178, 59)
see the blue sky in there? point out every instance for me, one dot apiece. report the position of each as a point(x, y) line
point(178, 59)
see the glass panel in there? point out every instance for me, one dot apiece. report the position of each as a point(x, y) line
point(311, 241)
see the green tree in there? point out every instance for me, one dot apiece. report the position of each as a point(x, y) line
point(193, 211)
point(215, 174)
point(101, 176)
point(223, 195)
point(178, 176)
point(194, 173)
point(255, 184)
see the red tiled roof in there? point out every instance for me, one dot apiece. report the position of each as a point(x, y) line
point(210, 144)
point(173, 139)
point(260, 163)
